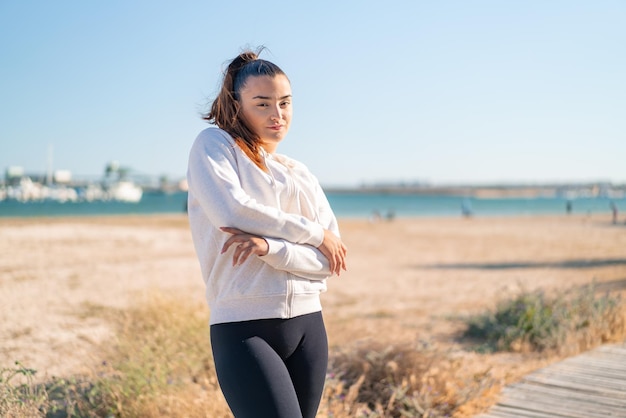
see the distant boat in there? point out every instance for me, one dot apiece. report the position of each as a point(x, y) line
point(124, 191)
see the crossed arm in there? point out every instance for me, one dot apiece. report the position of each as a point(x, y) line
point(248, 244)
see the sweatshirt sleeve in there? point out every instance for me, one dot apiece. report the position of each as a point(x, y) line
point(301, 260)
point(215, 186)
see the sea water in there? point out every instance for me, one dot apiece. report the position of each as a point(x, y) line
point(407, 205)
point(345, 205)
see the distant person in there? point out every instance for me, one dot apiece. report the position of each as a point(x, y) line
point(568, 207)
point(466, 208)
point(375, 216)
point(615, 212)
point(267, 240)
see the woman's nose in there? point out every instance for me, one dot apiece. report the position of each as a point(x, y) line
point(276, 113)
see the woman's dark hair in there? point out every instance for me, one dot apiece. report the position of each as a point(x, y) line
point(225, 110)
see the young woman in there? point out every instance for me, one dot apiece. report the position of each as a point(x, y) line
point(266, 239)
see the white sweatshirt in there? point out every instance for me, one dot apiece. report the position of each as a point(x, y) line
point(286, 206)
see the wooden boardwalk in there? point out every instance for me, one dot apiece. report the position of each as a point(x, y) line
point(589, 385)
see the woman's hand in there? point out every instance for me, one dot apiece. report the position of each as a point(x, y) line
point(247, 244)
point(335, 251)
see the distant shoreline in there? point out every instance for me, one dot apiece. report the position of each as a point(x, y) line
point(567, 191)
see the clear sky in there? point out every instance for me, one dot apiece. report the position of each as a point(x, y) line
point(384, 91)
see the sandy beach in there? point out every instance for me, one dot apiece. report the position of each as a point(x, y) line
point(407, 279)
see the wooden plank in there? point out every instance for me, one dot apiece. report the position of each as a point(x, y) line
point(562, 393)
point(500, 411)
point(555, 407)
point(612, 348)
point(618, 384)
point(605, 358)
point(610, 379)
point(614, 364)
point(583, 405)
point(579, 383)
point(610, 370)
point(587, 371)
point(603, 355)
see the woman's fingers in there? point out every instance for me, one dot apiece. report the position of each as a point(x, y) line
point(230, 241)
point(242, 251)
point(236, 236)
point(335, 251)
point(341, 258)
point(245, 245)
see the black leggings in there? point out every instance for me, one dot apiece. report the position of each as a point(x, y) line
point(272, 367)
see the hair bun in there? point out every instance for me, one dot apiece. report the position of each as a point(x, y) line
point(241, 60)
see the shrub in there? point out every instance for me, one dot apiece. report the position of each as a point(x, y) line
point(571, 322)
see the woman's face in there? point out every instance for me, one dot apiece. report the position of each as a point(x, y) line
point(266, 107)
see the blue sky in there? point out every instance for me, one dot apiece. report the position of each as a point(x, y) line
point(439, 91)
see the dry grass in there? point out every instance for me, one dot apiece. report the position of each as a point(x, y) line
point(159, 364)
point(402, 380)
